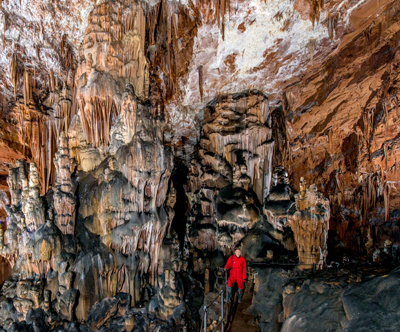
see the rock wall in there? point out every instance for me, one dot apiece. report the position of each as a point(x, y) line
point(236, 197)
point(339, 299)
point(108, 237)
point(111, 229)
point(340, 123)
point(230, 174)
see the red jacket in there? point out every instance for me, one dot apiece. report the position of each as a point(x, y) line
point(237, 266)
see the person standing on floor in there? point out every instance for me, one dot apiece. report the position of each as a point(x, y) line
point(237, 264)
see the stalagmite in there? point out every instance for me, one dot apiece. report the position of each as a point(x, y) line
point(32, 205)
point(64, 198)
point(310, 226)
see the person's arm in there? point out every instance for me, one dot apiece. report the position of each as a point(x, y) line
point(244, 269)
point(228, 263)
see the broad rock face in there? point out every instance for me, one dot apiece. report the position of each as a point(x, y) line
point(231, 171)
point(107, 244)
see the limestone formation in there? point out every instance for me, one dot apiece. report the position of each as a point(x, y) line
point(112, 56)
point(280, 203)
point(127, 200)
point(168, 300)
point(124, 231)
point(83, 155)
point(231, 173)
point(25, 196)
point(64, 198)
point(125, 125)
point(124, 202)
point(67, 296)
point(32, 205)
point(310, 225)
point(145, 140)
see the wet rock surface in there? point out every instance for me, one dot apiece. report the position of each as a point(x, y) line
point(345, 299)
point(373, 304)
point(267, 299)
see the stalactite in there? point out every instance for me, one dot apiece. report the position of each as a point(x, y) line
point(366, 127)
point(175, 25)
point(366, 191)
point(330, 139)
point(27, 88)
point(24, 88)
point(333, 19)
point(289, 153)
point(386, 198)
point(52, 81)
point(14, 73)
point(385, 110)
point(385, 153)
point(34, 86)
point(169, 24)
point(96, 115)
point(218, 12)
point(396, 103)
point(223, 12)
point(310, 49)
point(373, 188)
point(316, 7)
point(339, 185)
point(200, 70)
point(221, 9)
point(146, 85)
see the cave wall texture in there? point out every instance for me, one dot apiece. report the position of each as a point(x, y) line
point(141, 140)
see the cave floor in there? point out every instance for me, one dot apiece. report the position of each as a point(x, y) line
point(239, 318)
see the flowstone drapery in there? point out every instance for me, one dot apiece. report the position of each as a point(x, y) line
point(110, 233)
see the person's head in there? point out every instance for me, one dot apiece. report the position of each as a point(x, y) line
point(237, 252)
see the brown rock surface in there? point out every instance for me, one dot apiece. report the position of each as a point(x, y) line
point(342, 127)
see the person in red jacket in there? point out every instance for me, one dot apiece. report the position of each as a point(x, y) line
point(237, 264)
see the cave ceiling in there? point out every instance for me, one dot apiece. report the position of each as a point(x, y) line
point(323, 62)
